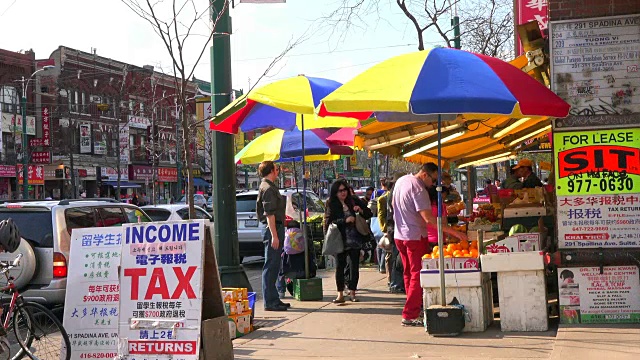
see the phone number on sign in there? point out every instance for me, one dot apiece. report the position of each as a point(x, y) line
point(98, 355)
point(590, 228)
point(610, 184)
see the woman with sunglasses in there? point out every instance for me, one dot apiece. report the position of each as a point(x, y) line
point(341, 210)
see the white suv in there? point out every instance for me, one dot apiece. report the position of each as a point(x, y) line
point(45, 228)
point(250, 229)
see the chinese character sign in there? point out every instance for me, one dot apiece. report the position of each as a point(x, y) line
point(161, 301)
point(124, 144)
point(593, 221)
point(530, 10)
point(93, 293)
point(591, 295)
point(597, 162)
point(35, 174)
point(46, 126)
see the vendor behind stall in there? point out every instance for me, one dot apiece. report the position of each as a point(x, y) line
point(524, 170)
point(512, 181)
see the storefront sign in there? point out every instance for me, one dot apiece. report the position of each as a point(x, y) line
point(588, 296)
point(85, 138)
point(36, 142)
point(597, 162)
point(161, 301)
point(11, 124)
point(93, 293)
point(124, 144)
point(593, 221)
point(7, 171)
point(46, 126)
point(530, 10)
point(167, 174)
point(138, 122)
point(41, 157)
point(110, 174)
point(35, 174)
point(137, 172)
point(595, 64)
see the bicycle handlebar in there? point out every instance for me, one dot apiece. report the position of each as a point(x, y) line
point(6, 266)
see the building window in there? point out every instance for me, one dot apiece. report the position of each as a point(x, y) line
point(83, 108)
point(130, 105)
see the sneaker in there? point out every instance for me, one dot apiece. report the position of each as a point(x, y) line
point(414, 322)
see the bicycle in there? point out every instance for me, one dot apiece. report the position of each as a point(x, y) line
point(37, 330)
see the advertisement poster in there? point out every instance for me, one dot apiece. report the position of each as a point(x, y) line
point(597, 162)
point(35, 174)
point(161, 278)
point(124, 144)
point(93, 293)
point(588, 297)
point(99, 142)
point(85, 138)
point(593, 221)
point(111, 174)
point(595, 64)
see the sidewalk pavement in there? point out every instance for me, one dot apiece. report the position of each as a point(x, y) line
point(371, 329)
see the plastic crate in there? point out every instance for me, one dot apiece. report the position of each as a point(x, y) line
point(252, 303)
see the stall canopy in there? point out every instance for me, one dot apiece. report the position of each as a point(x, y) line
point(199, 182)
point(123, 184)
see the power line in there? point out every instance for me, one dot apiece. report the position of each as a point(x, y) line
point(8, 7)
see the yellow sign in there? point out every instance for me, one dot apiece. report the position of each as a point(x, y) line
point(597, 162)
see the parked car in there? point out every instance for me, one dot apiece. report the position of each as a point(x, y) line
point(250, 229)
point(198, 200)
point(174, 212)
point(45, 228)
point(209, 205)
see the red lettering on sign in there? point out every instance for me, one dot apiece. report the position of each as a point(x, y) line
point(184, 283)
point(162, 347)
point(158, 283)
point(598, 158)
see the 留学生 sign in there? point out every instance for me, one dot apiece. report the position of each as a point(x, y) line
point(161, 300)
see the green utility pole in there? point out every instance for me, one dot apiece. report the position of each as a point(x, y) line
point(225, 229)
point(25, 157)
point(455, 22)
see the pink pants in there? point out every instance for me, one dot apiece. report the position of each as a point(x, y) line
point(411, 252)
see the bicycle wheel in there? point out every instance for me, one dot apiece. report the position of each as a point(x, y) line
point(40, 333)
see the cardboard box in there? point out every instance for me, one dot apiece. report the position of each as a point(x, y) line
point(240, 325)
point(516, 243)
point(307, 289)
point(216, 342)
point(517, 261)
point(466, 263)
point(473, 234)
point(234, 294)
point(434, 264)
point(236, 307)
point(460, 278)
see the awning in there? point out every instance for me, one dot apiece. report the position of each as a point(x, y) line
point(123, 184)
point(199, 182)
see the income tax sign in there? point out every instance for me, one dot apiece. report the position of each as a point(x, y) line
point(597, 162)
point(161, 290)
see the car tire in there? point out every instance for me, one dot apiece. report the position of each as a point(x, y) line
point(24, 272)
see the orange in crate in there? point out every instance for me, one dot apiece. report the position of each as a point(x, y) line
point(473, 253)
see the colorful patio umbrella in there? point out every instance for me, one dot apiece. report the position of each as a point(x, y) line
point(282, 105)
point(285, 104)
point(344, 136)
point(445, 81)
point(280, 145)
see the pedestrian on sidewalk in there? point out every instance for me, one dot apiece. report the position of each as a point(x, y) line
point(342, 209)
point(412, 213)
point(395, 270)
point(383, 262)
point(270, 209)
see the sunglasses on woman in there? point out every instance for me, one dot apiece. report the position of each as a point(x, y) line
point(342, 190)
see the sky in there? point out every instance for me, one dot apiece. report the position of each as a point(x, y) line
point(260, 32)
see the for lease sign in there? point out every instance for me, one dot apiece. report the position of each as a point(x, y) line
point(597, 162)
point(161, 297)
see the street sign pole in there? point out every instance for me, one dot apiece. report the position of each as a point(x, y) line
point(223, 169)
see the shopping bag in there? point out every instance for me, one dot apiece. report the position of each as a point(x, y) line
point(293, 241)
point(375, 228)
point(333, 243)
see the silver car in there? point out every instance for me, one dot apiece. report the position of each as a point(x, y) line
point(173, 212)
point(250, 229)
point(198, 200)
point(45, 228)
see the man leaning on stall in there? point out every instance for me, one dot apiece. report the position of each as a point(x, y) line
point(270, 208)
